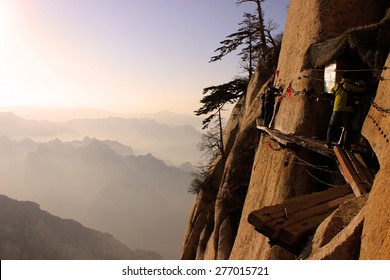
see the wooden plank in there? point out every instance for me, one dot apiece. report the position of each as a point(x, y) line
point(259, 218)
point(314, 145)
point(289, 230)
point(293, 231)
point(361, 169)
point(293, 141)
point(349, 172)
point(274, 227)
point(368, 173)
point(298, 216)
point(297, 232)
point(278, 136)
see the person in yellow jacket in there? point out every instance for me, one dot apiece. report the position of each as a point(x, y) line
point(343, 109)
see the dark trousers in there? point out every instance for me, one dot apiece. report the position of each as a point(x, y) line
point(268, 113)
point(337, 120)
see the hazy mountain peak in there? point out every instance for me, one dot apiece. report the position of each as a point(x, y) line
point(9, 116)
point(55, 141)
point(4, 139)
point(27, 232)
point(175, 143)
point(187, 166)
point(27, 141)
point(99, 186)
point(88, 139)
point(99, 147)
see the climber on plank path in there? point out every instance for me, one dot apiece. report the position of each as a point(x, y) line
point(343, 107)
point(268, 103)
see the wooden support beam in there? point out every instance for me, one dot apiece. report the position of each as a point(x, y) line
point(349, 172)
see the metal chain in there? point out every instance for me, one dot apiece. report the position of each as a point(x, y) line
point(380, 109)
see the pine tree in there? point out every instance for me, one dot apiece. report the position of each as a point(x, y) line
point(269, 44)
point(214, 100)
point(245, 36)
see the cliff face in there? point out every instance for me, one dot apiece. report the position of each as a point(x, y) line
point(257, 172)
point(376, 128)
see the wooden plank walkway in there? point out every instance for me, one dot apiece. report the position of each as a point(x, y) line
point(289, 223)
point(293, 141)
point(351, 164)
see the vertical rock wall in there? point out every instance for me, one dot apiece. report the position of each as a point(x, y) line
point(367, 234)
point(376, 128)
point(311, 22)
point(269, 174)
point(274, 173)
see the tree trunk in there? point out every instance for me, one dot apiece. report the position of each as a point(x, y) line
point(220, 131)
point(263, 37)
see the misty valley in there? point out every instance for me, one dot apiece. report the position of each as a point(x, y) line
point(125, 177)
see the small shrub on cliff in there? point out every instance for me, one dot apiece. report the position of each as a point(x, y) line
point(202, 179)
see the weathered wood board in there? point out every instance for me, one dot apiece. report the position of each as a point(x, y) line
point(350, 174)
point(289, 223)
point(293, 141)
point(361, 169)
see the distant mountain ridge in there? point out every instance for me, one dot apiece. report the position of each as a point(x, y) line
point(67, 114)
point(27, 232)
point(140, 199)
point(115, 145)
point(18, 128)
point(173, 143)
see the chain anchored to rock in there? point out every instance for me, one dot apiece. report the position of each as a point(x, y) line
point(380, 109)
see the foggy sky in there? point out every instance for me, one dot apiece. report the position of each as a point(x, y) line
point(117, 55)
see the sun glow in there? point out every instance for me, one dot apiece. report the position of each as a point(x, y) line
point(4, 15)
point(108, 55)
point(6, 29)
point(28, 64)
